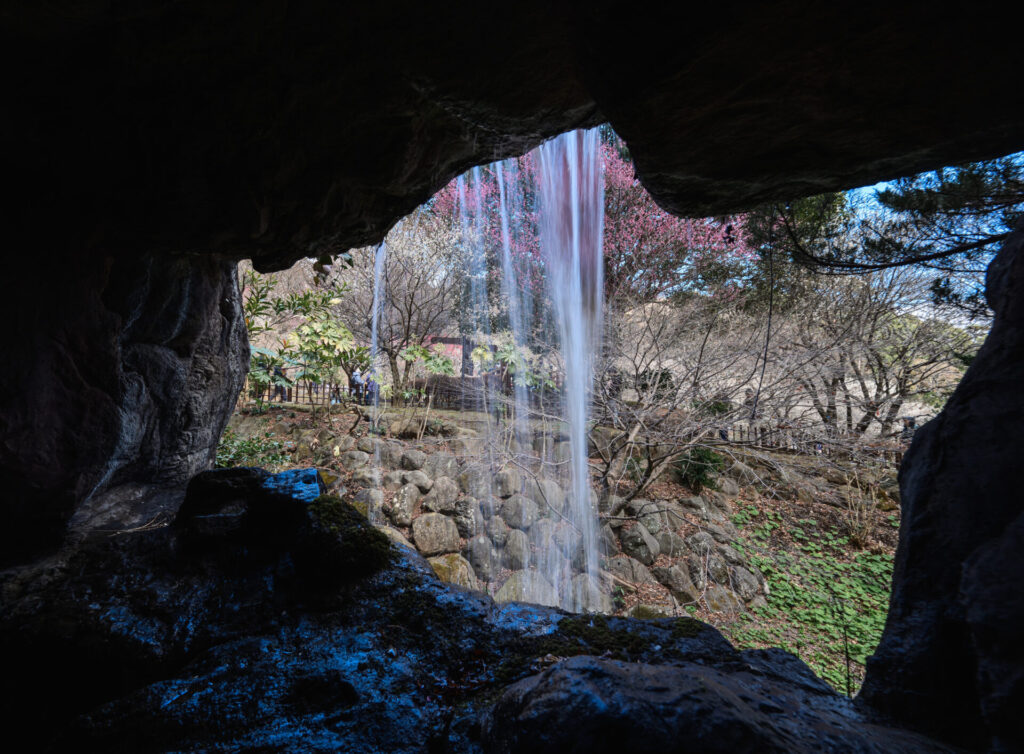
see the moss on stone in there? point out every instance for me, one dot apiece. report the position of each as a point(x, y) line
point(575, 635)
point(596, 636)
point(687, 628)
point(362, 506)
point(454, 569)
point(646, 612)
point(356, 547)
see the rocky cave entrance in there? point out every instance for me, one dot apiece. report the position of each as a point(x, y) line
point(116, 393)
point(775, 522)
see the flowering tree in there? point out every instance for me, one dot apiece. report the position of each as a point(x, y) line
point(648, 253)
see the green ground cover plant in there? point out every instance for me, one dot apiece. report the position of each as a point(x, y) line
point(259, 450)
point(826, 603)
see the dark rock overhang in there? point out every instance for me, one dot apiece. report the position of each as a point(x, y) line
point(276, 130)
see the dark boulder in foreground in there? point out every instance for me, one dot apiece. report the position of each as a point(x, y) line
point(270, 618)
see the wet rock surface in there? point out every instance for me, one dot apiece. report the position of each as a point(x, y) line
point(951, 660)
point(595, 704)
point(300, 628)
point(107, 414)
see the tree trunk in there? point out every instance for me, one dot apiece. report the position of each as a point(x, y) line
point(396, 379)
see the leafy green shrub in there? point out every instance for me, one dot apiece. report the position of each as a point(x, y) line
point(264, 451)
point(618, 597)
point(697, 467)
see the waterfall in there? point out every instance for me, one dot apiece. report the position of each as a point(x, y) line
point(571, 190)
point(564, 183)
point(516, 296)
point(376, 370)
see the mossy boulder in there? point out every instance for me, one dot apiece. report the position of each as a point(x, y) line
point(341, 545)
point(454, 569)
point(395, 536)
point(721, 599)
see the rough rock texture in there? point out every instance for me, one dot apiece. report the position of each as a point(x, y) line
point(951, 660)
point(392, 480)
point(590, 704)
point(519, 512)
point(201, 133)
point(114, 393)
point(268, 618)
point(435, 534)
point(468, 518)
point(498, 531)
point(629, 573)
point(722, 599)
point(354, 459)
point(547, 493)
point(483, 557)
point(517, 550)
point(413, 459)
point(507, 482)
point(678, 582)
point(441, 464)
point(403, 505)
point(442, 496)
point(419, 478)
point(475, 482)
point(639, 543)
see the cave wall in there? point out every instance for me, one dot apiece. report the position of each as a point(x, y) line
point(119, 378)
point(152, 144)
point(951, 660)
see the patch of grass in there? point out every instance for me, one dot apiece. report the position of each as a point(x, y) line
point(745, 515)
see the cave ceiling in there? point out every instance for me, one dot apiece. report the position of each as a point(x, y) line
point(277, 130)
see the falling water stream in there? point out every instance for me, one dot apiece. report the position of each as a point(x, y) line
point(570, 202)
point(571, 228)
point(376, 369)
point(569, 199)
